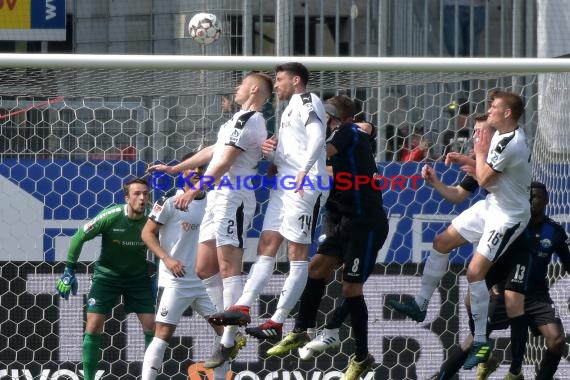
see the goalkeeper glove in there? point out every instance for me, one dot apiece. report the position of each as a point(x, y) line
point(67, 283)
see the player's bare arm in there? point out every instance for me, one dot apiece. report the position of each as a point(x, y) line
point(429, 175)
point(268, 147)
point(299, 182)
point(268, 151)
point(484, 173)
point(149, 236)
point(454, 194)
point(469, 170)
point(213, 173)
point(458, 158)
point(201, 158)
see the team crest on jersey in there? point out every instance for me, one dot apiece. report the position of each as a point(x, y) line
point(545, 243)
point(91, 302)
point(164, 311)
point(308, 102)
point(500, 147)
point(235, 135)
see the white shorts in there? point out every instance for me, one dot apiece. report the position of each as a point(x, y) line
point(492, 230)
point(227, 217)
point(174, 301)
point(293, 216)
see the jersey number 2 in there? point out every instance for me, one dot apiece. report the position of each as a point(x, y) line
point(231, 224)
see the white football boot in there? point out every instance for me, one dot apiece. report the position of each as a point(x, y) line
point(325, 339)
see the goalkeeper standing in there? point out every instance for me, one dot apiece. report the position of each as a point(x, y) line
point(121, 270)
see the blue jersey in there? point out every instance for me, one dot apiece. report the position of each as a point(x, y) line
point(355, 191)
point(542, 240)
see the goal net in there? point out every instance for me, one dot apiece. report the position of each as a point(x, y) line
point(72, 129)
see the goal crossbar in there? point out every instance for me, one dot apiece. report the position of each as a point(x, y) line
point(178, 62)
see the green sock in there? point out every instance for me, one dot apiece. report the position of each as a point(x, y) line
point(91, 355)
point(148, 336)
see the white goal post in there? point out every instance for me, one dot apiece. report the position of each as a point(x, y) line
point(73, 127)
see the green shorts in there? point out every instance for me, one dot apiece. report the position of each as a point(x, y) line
point(137, 295)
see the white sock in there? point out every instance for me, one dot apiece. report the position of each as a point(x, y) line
point(259, 275)
point(229, 336)
point(480, 298)
point(215, 289)
point(292, 290)
point(434, 270)
point(153, 357)
point(233, 287)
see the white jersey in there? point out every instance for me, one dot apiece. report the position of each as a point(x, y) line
point(509, 155)
point(179, 237)
point(291, 152)
point(246, 131)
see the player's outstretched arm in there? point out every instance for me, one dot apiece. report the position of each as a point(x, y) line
point(216, 171)
point(458, 158)
point(210, 177)
point(201, 158)
point(454, 194)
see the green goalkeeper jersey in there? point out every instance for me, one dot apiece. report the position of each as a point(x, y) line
point(123, 253)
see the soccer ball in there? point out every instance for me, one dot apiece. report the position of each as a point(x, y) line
point(204, 28)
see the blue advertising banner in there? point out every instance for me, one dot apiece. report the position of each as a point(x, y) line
point(79, 190)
